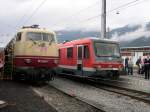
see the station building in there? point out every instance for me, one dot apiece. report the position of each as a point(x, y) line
point(135, 52)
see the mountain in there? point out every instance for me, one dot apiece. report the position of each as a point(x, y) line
point(138, 39)
point(142, 41)
point(75, 34)
point(125, 29)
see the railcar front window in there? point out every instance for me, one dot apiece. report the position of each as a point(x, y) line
point(40, 36)
point(107, 50)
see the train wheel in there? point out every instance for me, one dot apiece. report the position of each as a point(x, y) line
point(52, 74)
point(115, 75)
point(15, 76)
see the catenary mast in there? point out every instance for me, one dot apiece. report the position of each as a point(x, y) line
point(103, 19)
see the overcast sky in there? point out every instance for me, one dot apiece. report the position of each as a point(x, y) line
point(69, 14)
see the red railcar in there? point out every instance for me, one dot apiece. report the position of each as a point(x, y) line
point(90, 57)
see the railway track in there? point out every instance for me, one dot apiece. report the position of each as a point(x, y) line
point(135, 94)
point(64, 101)
point(119, 87)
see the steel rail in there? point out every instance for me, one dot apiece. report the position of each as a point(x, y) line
point(119, 88)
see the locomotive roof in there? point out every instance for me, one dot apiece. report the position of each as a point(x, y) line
point(35, 30)
point(86, 40)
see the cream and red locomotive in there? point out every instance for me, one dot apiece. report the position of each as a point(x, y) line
point(90, 57)
point(35, 54)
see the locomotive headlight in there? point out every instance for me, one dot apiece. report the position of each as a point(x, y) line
point(27, 61)
point(56, 61)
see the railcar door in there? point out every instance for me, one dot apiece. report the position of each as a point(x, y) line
point(80, 49)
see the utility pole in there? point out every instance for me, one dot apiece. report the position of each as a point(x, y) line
point(103, 19)
point(108, 33)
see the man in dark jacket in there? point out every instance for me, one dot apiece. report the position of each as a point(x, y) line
point(147, 67)
point(126, 64)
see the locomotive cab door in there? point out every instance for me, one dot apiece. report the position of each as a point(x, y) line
point(80, 49)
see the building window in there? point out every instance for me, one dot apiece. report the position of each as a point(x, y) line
point(146, 53)
point(70, 52)
point(86, 52)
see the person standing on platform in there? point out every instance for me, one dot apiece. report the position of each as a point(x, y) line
point(126, 64)
point(147, 67)
point(138, 63)
point(130, 67)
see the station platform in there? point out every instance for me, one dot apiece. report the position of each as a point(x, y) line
point(137, 82)
point(21, 98)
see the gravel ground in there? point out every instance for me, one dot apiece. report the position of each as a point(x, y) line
point(110, 102)
point(21, 98)
point(63, 102)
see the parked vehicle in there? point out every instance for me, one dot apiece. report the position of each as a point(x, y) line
point(90, 57)
point(35, 54)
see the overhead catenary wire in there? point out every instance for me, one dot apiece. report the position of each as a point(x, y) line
point(121, 6)
point(87, 20)
point(76, 13)
point(39, 6)
point(25, 14)
point(35, 11)
point(129, 4)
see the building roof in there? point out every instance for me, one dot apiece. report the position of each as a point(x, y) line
point(135, 47)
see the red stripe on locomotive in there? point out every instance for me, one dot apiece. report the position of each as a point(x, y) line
point(36, 61)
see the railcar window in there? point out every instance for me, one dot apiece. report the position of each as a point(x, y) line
point(70, 52)
point(86, 52)
point(107, 49)
point(18, 38)
point(80, 52)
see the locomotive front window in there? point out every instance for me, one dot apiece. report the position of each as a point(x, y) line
point(107, 50)
point(35, 36)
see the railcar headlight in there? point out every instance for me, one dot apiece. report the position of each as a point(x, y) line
point(99, 66)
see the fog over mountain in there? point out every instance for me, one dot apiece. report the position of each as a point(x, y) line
point(128, 36)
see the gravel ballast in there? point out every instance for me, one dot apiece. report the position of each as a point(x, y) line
point(63, 102)
point(110, 102)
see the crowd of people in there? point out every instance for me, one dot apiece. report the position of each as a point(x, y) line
point(142, 64)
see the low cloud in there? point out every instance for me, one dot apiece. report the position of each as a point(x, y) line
point(140, 33)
